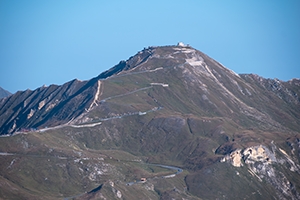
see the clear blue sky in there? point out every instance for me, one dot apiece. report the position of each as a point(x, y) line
point(52, 42)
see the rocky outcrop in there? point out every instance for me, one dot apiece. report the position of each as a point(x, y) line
point(263, 163)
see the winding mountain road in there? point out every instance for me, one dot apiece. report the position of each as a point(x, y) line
point(177, 169)
point(128, 93)
point(99, 121)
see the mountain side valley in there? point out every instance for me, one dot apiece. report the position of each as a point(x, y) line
point(168, 123)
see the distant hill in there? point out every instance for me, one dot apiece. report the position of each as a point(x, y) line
point(168, 123)
point(4, 93)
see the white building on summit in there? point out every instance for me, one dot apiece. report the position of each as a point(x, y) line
point(181, 44)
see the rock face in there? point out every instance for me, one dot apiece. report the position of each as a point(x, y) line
point(169, 105)
point(46, 106)
point(263, 164)
point(250, 155)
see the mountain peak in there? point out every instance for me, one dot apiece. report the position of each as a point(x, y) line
point(4, 93)
point(141, 57)
point(171, 57)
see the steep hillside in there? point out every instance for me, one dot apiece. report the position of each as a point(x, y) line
point(45, 106)
point(170, 122)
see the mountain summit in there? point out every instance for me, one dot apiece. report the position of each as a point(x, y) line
point(4, 93)
point(233, 136)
